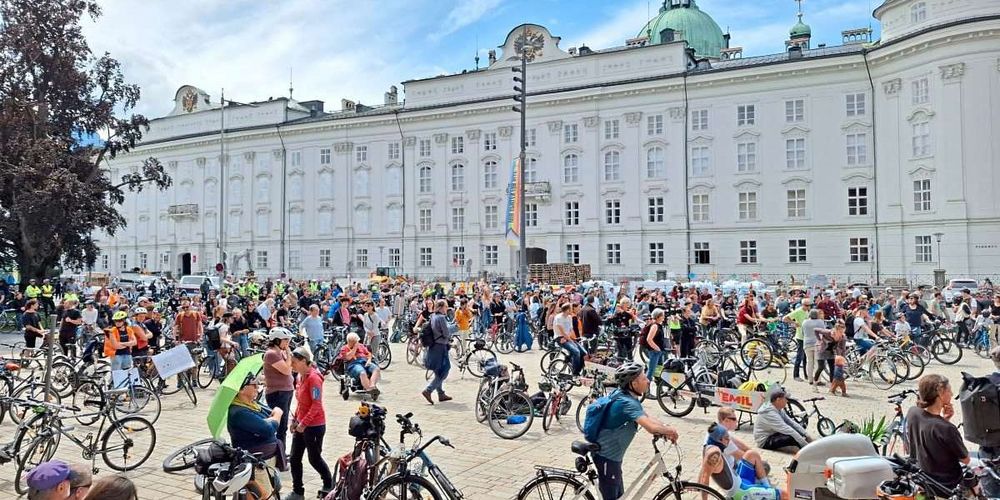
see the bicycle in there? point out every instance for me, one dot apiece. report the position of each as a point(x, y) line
point(896, 431)
point(598, 389)
point(8, 320)
point(401, 481)
point(511, 411)
point(557, 403)
point(824, 425)
point(121, 436)
point(473, 359)
point(565, 484)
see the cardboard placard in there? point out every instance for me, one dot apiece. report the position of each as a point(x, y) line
point(173, 361)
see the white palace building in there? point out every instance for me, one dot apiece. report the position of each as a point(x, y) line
point(671, 154)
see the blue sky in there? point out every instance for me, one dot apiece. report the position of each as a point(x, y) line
point(357, 49)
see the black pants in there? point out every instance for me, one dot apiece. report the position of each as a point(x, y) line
point(609, 478)
point(774, 442)
point(687, 345)
point(820, 364)
point(800, 359)
point(283, 400)
point(309, 441)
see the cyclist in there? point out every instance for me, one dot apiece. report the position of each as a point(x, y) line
point(622, 420)
point(563, 330)
point(119, 342)
point(737, 479)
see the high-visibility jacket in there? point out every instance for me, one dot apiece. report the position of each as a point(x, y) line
point(114, 339)
point(48, 291)
point(32, 292)
point(68, 296)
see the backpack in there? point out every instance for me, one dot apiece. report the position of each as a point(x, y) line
point(427, 334)
point(849, 324)
point(980, 398)
point(597, 413)
point(353, 473)
point(214, 337)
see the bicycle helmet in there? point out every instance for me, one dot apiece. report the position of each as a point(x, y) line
point(627, 372)
point(896, 490)
point(236, 480)
point(119, 315)
point(279, 333)
point(139, 310)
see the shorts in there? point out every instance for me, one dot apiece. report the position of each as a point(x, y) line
point(356, 368)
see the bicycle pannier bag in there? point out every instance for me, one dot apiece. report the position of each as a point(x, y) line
point(980, 399)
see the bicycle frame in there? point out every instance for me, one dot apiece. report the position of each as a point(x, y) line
point(635, 490)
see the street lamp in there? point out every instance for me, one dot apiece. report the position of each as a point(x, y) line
point(938, 236)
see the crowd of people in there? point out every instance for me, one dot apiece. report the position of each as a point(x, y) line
point(665, 323)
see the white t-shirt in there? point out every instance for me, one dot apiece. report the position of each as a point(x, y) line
point(564, 321)
point(89, 316)
point(859, 328)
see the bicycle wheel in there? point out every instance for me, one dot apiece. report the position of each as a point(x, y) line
point(384, 356)
point(916, 363)
point(825, 426)
point(895, 444)
point(63, 378)
point(882, 373)
point(554, 487)
point(796, 411)
point(184, 458)
point(686, 489)
point(408, 487)
point(413, 349)
point(87, 398)
point(946, 350)
point(6, 388)
point(188, 385)
point(505, 342)
point(456, 347)
point(676, 401)
point(510, 414)
point(901, 366)
point(755, 353)
point(483, 399)
point(477, 359)
point(128, 443)
point(549, 413)
point(30, 430)
point(31, 391)
point(207, 370)
point(40, 450)
point(581, 410)
point(139, 402)
point(547, 359)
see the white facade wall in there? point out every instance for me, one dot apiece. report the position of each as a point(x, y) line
point(961, 64)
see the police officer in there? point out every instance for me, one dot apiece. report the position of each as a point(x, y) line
point(48, 294)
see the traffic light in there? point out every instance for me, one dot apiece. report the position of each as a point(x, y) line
point(519, 89)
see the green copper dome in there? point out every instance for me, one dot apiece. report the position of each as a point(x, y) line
point(695, 26)
point(800, 29)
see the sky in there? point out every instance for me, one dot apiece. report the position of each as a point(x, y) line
point(336, 49)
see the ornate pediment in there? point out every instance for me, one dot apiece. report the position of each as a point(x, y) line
point(534, 42)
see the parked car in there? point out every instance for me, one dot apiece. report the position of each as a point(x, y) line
point(955, 287)
point(191, 284)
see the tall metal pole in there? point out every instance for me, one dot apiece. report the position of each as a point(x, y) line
point(222, 184)
point(522, 222)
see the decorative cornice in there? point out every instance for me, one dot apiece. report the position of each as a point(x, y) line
point(632, 118)
point(892, 87)
point(473, 134)
point(919, 113)
point(796, 178)
point(441, 138)
point(555, 126)
point(505, 131)
point(855, 124)
point(921, 170)
point(591, 121)
point(746, 133)
point(795, 129)
point(343, 147)
point(745, 181)
point(952, 71)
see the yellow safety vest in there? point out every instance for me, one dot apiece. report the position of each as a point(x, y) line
point(70, 296)
point(47, 290)
point(32, 291)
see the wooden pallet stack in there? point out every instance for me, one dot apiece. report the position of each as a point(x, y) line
point(559, 274)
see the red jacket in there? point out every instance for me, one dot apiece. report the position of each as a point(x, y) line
point(309, 400)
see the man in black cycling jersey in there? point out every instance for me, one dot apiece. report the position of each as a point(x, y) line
point(621, 422)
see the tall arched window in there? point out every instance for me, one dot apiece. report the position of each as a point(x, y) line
point(490, 175)
point(325, 185)
point(362, 219)
point(393, 181)
point(295, 186)
point(424, 179)
point(361, 182)
point(295, 223)
point(654, 163)
point(263, 188)
point(531, 171)
point(394, 218)
point(612, 166)
point(571, 169)
point(235, 194)
point(325, 221)
point(458, 177)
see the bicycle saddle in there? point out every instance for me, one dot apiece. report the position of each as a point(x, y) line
point(584, 447)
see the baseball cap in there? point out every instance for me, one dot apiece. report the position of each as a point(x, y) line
point(303, 353)
point(48, 475)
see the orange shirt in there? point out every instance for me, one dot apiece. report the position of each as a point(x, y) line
point(463, 318)
point(113, 340)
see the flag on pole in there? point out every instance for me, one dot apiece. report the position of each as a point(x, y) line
point(514, 205)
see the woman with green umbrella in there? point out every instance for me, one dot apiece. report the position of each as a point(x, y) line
point(252, 426)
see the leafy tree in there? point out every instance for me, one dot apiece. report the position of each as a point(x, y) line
point(54, 193)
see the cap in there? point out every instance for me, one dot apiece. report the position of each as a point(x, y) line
point(718, 433)
point(777, 392)
point(303, 353)
point(48, 475)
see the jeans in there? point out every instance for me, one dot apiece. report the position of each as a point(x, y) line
point(244, 341)
point(440, 374)
point(863, 345)
point(654, 361)
point(121, 362)
point(309, 441)
point(575, 355)
point(283, 400)
point(800, 359)
point(609, 477)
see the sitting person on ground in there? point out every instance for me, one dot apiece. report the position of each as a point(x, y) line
point(116, 487)
point(774, 429)
point(935, 442)
point(358, 364)
point(622, 420)
point(252, 426)
point(735, 478)
point(738, 449)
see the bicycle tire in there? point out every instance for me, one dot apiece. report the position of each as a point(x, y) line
point(403, 486)
point(205, 372)
point(476, 358)
point(505, 342)
point(384, 356)
point(795, 410)
point(675, 403)
point(825, 427)
point(548, 486)
point(942, 349)
point(547, 360)
point(31, 391)
point(916, 363)
point(695, 490)
point(87, 391)
point(882, 373)
point(510, 404)
point(184, 457)
point(6, 388)
point(128, 426)
point(63, 378)
point(549, 413)
point(33, 456)
point(413, 349)
point(483, 399)
point(189, 389)
point(29, 431)
point(755, 354)
point(142, 402)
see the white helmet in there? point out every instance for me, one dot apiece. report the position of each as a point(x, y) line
point(279, 333)
point(236, 481)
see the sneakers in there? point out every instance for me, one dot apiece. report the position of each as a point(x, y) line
point(427, 396)
point(442, 397)
point(374, 393)
point(797, 379)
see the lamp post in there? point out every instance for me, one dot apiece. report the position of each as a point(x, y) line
point(520, 96)
point(938, 236)
point(939, 273)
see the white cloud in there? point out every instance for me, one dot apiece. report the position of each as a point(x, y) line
point(621, 24)
point(464, 13)
point(338, 49)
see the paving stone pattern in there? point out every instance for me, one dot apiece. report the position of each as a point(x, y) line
point(483, 465)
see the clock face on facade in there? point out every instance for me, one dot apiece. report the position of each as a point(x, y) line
point(189, 100)
point(530, 43)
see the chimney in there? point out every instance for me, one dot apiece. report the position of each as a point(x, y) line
point(572, 51)
point(347, 105)
point(392, 96)
point(795, 52)
point(493, 56)
point(725, 39)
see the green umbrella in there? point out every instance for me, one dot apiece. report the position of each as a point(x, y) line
point(219, 411)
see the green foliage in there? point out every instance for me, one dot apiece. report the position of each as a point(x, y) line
point(876, 431)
